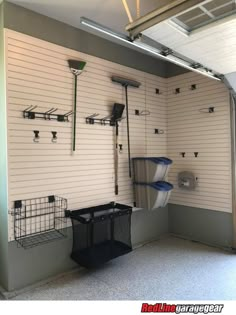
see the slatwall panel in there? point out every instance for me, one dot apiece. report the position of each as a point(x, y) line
point(190, 130)
point(38, 74)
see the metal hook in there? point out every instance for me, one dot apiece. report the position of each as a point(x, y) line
point(145, 113)
point(142, 113)
point(208, 110)
point(30, 108)
point(69, 113)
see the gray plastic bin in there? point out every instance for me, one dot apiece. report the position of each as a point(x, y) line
point(150, 169)
point(152, 196)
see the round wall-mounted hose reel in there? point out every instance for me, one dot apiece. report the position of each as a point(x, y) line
point(187, 180)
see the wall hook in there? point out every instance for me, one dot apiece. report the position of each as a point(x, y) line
point(183, 154)
point(159, 131)
point(177, 91)
point(36, 136)
point(54, 136)
point(193, 87)
point(158, 91)
point(142, 112)
point(209, 110)
point(196, 154)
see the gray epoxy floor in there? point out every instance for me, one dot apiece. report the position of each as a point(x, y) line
point(172, 269)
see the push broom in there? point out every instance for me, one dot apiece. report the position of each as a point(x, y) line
point(125, 83)
point(76, 68)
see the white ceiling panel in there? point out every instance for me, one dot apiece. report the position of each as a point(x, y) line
point(213, 46)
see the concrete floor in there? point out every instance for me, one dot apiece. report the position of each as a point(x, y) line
point(172, 269)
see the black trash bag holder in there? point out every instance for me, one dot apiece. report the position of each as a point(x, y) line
point(100, 233)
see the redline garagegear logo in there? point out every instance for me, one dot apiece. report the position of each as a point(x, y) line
point(181, 308)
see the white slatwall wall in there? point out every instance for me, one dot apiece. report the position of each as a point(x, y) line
point(209, 134)
point(38, 74)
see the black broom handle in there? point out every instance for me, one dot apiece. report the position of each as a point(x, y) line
point(116, 171)
point(127, 119)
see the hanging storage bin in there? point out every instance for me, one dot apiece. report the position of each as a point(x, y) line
point(150, 169)
point(152, 196)
point(100, 233)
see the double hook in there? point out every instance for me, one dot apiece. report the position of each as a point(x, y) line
point(37, 137)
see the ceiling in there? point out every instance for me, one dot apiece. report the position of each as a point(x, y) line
point(213, 47)
point(110, 13)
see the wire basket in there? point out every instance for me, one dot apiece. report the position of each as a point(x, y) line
point(39, 220)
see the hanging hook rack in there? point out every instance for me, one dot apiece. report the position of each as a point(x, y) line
point(30, 113)
point(107, 120)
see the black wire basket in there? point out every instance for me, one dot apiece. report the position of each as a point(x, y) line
point(39, 220)
point(100, 233)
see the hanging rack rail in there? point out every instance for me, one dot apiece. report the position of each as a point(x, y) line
point(30, 113)
point(108, 120)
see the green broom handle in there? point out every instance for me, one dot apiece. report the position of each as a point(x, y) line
point(75, 109)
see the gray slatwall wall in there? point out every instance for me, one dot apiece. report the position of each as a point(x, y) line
point(38, 74)
point(190, 130)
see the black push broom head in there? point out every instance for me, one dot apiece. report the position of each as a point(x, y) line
point(76, 66)
point(125, 82)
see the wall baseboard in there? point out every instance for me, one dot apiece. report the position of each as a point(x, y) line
point(209, 227)
point(30, 266)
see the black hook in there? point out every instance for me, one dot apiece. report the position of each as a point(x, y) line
point(209, 110)
point(36, 136)
point(54, 136)
point(196, 154)
point(177, 91)
point(193, 87)
point(159, 131)
point(142, 112)
point(183, 154)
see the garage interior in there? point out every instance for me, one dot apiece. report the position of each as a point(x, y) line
point(94, 95)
